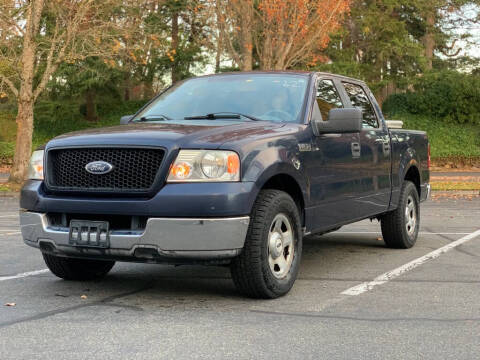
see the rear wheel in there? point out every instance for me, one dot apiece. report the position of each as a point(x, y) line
point(269, 262)
point(400, 227)
point(77, 269)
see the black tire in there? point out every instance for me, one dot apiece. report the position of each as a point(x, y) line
point(77, 269)
point(251, 270)
point(395, 229)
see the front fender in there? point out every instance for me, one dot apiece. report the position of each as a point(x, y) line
point(263, 165)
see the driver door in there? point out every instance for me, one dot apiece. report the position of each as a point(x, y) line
point(333, 166)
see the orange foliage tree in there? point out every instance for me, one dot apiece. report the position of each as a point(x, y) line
point(279, 34)
point(295, 31)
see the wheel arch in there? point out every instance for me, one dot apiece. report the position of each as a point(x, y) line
point(285, 181)
point(413, 174)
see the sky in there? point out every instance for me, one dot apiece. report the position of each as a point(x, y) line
point(473, 31)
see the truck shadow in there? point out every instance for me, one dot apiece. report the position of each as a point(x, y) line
point(138, 287)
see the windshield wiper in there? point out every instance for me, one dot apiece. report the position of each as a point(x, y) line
point(221, 115)
point(154, 118)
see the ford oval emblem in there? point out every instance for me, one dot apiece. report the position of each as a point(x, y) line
point(99, 167)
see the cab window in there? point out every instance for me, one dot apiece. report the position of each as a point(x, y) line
point(327, 97)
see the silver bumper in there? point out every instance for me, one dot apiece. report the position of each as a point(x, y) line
point(209, 238)
point(425, 192)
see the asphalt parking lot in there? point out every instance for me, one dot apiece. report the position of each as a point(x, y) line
point(354, 299)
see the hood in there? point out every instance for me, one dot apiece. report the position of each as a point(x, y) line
point(208, 134)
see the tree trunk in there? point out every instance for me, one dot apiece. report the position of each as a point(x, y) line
point(175, 74)
point(218, 53)
point(247, 41)
point(23, 146)
point(91, 113)
point(147, 87)
point(429, 38)
point(127, 84)
point(26, 99)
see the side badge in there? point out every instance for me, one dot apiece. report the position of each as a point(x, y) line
point(305, 147)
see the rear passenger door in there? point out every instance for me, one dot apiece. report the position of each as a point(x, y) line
point(374, 183)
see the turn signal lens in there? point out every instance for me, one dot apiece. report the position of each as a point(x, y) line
point(205, 166)
point(35, 168)
point(181, 171)
point(233, 164)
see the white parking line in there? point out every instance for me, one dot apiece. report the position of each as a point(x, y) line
point(23, 275)
point(10, 232)
point(13, 215)
point(420, 232)
point(382, 279)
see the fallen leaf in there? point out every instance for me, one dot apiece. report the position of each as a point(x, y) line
point(10, 304)
point(83, 297)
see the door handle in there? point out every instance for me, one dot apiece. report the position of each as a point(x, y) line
point(355, 149)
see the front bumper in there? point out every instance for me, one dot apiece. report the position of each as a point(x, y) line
point(425, 192)
point(175, 240)
point(188, 200)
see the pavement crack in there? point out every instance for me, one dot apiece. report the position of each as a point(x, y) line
point(463, 251)
point(366, 319)
point(122, 306)
point(108, 301)
point(449, 239)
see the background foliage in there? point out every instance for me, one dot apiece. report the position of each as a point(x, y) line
point(445, 96)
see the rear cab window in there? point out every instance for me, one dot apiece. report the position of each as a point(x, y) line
point(359, 99)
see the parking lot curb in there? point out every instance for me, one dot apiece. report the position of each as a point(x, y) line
point(9, 194)
point(455, 192)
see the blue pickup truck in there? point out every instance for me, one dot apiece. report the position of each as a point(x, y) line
point(230, 169)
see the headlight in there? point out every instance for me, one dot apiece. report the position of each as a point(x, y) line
point(35, 168)
point(205, 165)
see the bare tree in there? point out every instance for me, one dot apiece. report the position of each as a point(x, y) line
point(36, 36)
point(236, 23)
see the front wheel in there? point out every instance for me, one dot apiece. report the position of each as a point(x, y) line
point(77, 269)
point(400, 227)
point(269, 262)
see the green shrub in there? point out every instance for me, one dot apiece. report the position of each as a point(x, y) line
point(7, 150)
point(8, 126)
point(448, 96)
point(446, 140)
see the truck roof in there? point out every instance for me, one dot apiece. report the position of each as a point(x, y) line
point(293, 72)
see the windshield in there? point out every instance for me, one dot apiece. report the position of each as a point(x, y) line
point(270, 97)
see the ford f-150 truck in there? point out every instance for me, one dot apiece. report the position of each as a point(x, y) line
point(230, 169)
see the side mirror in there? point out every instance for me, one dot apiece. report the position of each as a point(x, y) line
point(340, 121)
point(125, 119)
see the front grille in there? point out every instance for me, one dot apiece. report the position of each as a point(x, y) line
point(134, 169)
